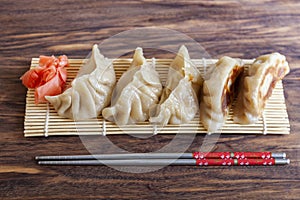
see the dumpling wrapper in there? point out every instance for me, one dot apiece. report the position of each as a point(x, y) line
point(90, 91)
point(218, 93)
point(138, 90)
point(179, 101)
point(257, 87)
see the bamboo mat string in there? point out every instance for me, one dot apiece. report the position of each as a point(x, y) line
point(204, 65)
point(265, 130)
point(153, 61)
point(46, 121)
point(154, 129)
point(104, 127)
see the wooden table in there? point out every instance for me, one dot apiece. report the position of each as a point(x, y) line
point(243, 29)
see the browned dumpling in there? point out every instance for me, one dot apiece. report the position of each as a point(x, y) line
point(218, 93)
point(257, 86)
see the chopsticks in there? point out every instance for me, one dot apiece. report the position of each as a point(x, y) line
point(195, 155)
point(152, 159)
point(157, 162)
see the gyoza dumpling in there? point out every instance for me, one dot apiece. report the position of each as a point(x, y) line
point(137, 91)
point(179, 101)
point(257, 86)
point(91, 89)
point(218, 93)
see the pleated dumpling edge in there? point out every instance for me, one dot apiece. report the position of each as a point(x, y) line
point(90, 91)
point(138, 89)
point(179, 102)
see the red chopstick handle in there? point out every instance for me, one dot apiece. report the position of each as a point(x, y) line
point(224, 155)
point(263, 155)
point(266, 161)
point(231, 162)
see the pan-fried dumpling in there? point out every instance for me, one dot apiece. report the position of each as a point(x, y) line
point(218, 92)
point(90, 91)
point(179, 101)
point(257, 86)
point(136, 92)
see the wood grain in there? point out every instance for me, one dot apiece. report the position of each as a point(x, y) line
point(236, 28)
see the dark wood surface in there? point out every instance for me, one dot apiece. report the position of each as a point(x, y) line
point(243, 29)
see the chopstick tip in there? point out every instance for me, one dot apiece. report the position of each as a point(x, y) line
point(284, 156)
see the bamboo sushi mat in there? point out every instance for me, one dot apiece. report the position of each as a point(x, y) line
point(42, 119)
